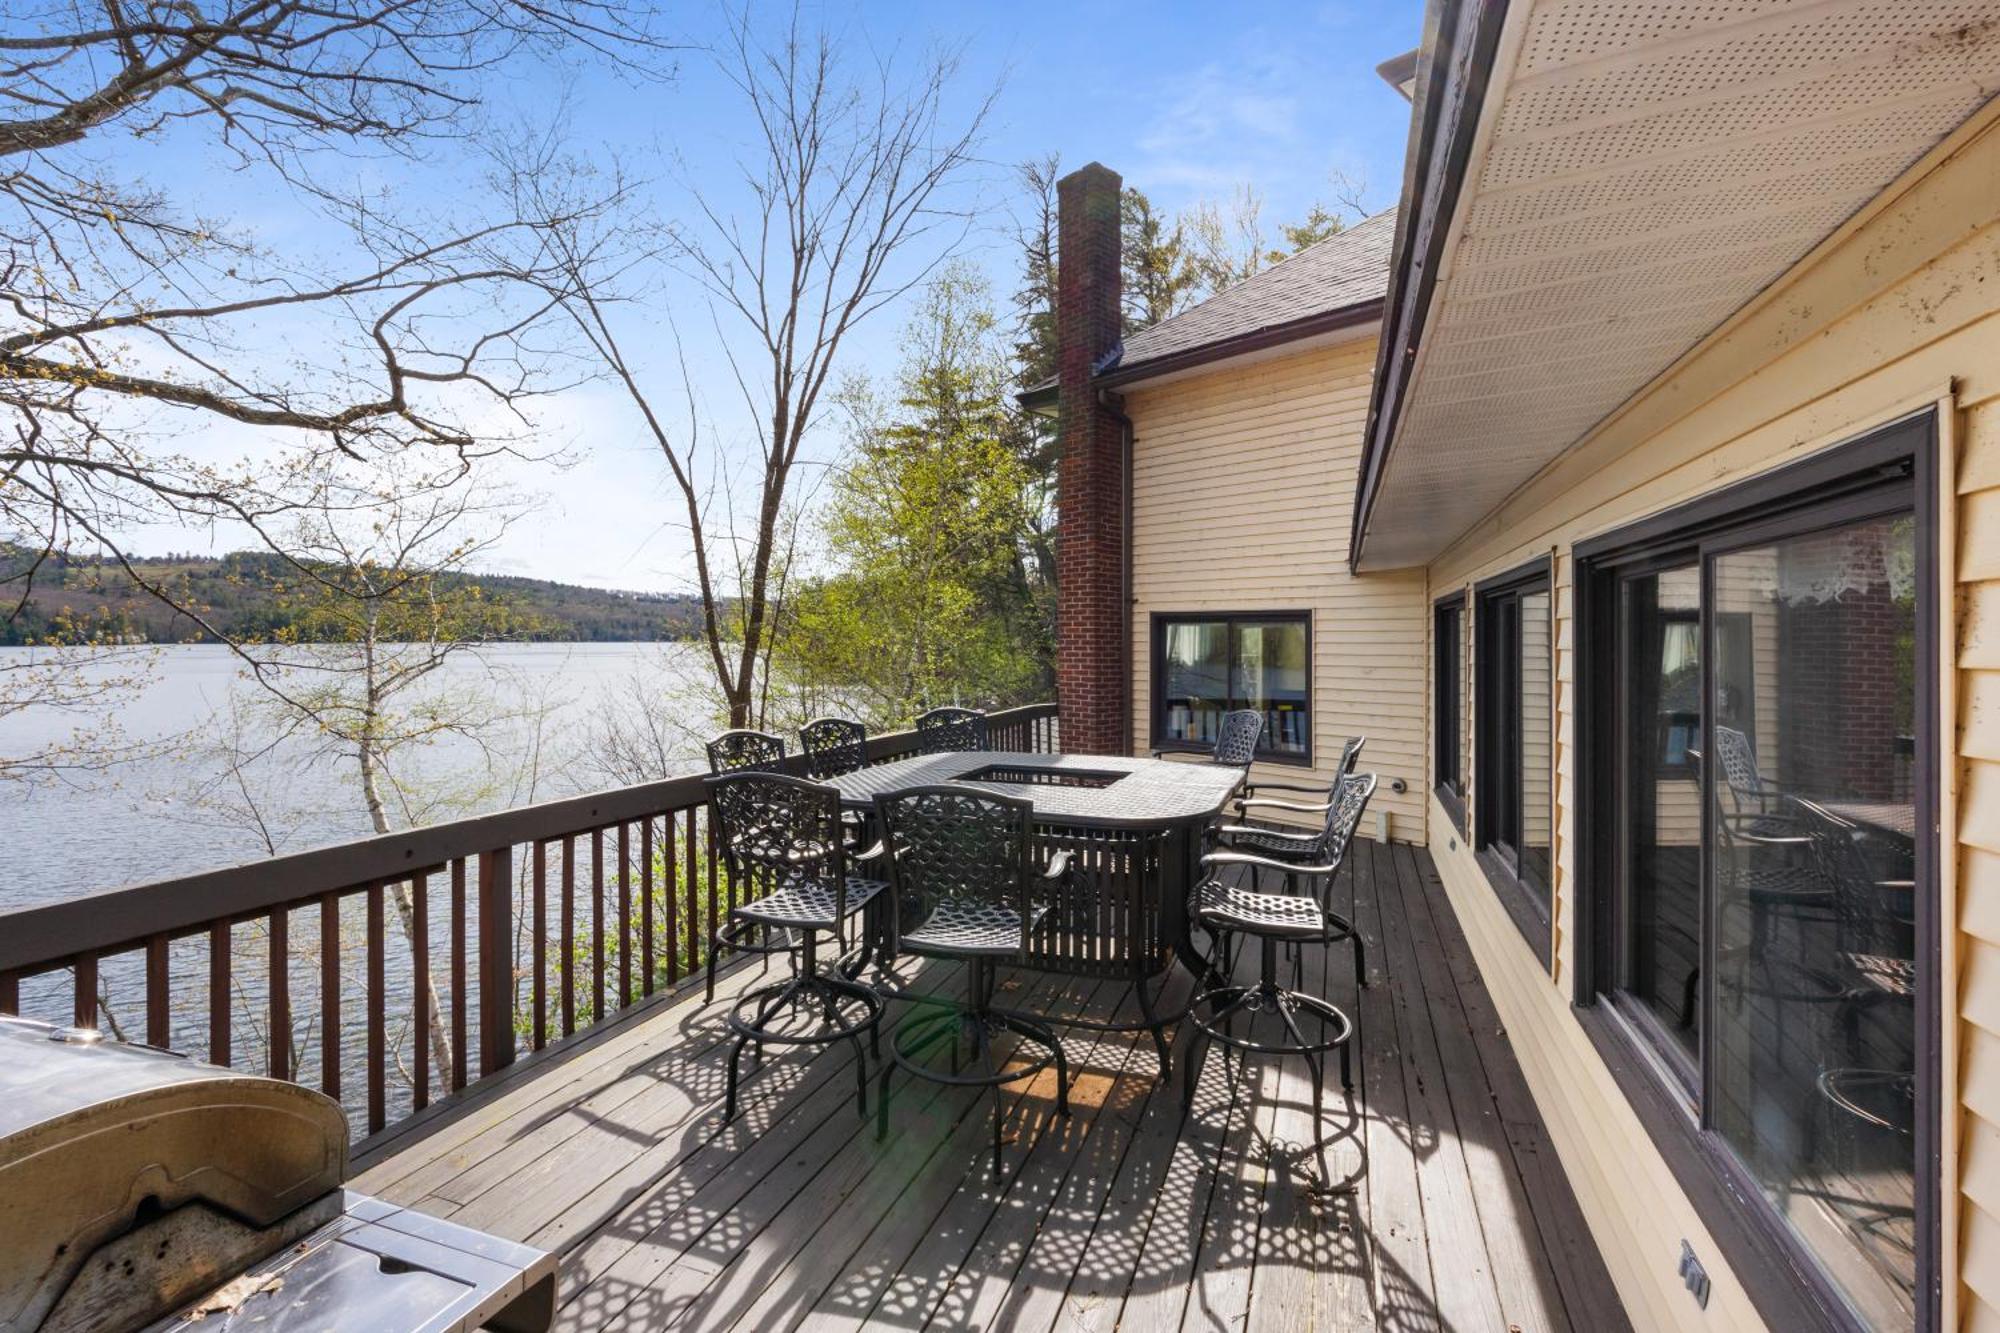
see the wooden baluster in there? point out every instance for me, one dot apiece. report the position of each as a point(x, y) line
point(378, 1004)
point(541, 945)
point(420, 972)
point(597, 925)
point(219, 1008)
point(624, 915)
point(10, 993)
point(569, 936)
point(496, 960)
point(690, 922)
point(708, 854)
point(159, 1015)
point(672, 882)
point(279, 960)
point(83, 1002)
point(329, 995)
point(646, 905)
point(458, 974)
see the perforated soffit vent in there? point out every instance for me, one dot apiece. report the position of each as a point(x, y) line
point(1652, 166)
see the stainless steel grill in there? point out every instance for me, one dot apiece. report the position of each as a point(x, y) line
point(140, 1189)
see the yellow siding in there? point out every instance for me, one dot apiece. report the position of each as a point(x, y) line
point(1242, 485)
point(1902, 311)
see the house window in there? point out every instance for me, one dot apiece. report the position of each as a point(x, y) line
point(1515, 717)
point(1755, 724)
point(1448, 710)
point(1204, 665)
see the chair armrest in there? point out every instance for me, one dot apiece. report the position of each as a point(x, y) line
point(873, 853)
point(1267, 833)
point(1269, 863)
point(1302, 807)
point(1058, 865)
point(1316, 788)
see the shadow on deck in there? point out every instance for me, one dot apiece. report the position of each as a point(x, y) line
point(1460, 1218)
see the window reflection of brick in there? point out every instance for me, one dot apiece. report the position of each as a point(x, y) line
point(1844, 662)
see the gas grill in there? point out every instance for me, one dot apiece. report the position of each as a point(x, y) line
point(143, 1190)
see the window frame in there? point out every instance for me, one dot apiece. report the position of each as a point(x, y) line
point(1499, 753)
point(1156, 658)
point(1448, 701)
point(1840, 484)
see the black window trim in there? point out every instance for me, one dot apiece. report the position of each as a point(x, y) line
point(1784, 1282)
point(1156, 637)
point(1531, 912)
point(1448, 727)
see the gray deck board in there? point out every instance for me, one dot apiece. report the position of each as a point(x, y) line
point(793, 1216)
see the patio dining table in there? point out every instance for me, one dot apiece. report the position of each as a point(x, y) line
point(1133, 830)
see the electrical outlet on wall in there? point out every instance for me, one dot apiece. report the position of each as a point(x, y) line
point(1694, 1275)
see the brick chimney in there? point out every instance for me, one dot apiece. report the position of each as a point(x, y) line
point(1093, 677)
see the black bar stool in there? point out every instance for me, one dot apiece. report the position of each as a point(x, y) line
point(1227, 909)
point(833, 746)
point(962, 888)
point(743, 750)
point(1236, 740)
point(951, 730)
point(784, 846)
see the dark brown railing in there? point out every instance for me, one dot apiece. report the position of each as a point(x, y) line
point(532, 924)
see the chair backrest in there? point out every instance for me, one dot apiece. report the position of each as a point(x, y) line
point(772, 829)
point(1343, 817)
point(833, 746)
point(1349, 753)
point(1236, 740)
point(1860, 908)
point(1739, 761)
point(950, 844)
point(745, 751)
point(950, 730)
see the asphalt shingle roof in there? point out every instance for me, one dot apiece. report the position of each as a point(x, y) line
point(1344, 270)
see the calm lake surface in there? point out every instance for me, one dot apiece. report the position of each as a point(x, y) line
point(177, 813)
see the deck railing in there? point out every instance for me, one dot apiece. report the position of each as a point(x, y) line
point(531, 925)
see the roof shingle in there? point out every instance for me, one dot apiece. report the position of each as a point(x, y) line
point(1344, 270)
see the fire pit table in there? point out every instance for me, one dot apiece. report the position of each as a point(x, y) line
point(1133, 830)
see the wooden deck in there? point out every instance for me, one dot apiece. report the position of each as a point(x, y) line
point(1460, 1216)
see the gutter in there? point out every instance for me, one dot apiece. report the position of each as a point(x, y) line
point(1461, 37)
point(1107, 402)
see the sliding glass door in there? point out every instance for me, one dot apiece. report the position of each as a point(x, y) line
point(1764, 928)
point(1811, 853)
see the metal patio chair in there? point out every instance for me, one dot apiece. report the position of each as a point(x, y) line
point(963, 888)
point(746, 751)
point(1236, 740)
point(1350, 753)
point(952, 730)
point(833, 746)
point(1228, 909)
point(783, 844)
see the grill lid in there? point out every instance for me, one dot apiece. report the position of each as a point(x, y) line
point(99, 1139)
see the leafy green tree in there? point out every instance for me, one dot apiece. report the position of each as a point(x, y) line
point(1162, 264)
point(1319, 224)
point(928, 599)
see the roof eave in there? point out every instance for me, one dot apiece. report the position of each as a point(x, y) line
point(1256, 340)
point(1042, 398)
point(1461, 38)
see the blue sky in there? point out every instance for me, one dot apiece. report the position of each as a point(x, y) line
point(1187, 101)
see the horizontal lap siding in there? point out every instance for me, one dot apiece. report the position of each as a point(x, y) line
point(1242, 488)
point(1904, 307)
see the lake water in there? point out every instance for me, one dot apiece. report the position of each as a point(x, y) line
point(178, 813)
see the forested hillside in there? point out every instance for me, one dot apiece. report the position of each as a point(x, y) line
point(244, 595)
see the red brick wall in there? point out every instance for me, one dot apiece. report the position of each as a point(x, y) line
point(1091, 675)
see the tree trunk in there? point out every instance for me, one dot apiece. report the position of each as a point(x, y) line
point(399, 892)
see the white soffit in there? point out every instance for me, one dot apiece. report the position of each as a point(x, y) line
point(1649, 167)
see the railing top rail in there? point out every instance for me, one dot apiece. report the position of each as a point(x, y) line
point(36, 938)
